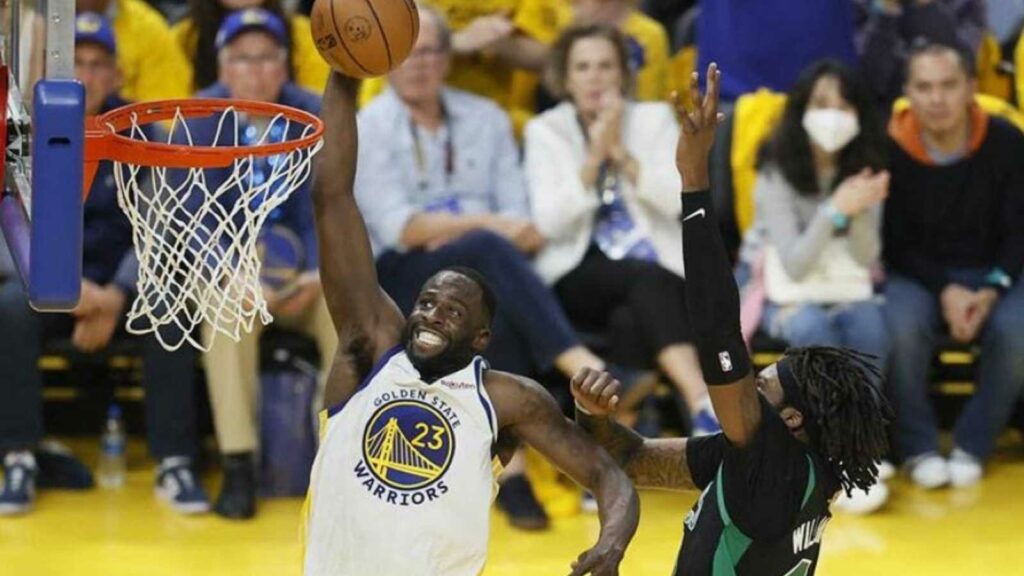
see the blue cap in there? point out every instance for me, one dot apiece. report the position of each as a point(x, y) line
point(93, 28)
point(249, 19)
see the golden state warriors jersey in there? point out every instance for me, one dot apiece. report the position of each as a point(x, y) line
point(403, 480)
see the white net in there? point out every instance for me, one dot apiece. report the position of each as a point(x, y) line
point(197, 246)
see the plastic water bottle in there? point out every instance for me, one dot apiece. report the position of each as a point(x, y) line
point(112, 468)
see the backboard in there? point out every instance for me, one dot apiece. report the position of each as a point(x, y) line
point(44, 152)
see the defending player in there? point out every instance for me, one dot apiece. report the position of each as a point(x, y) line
point(403, 481)
point(793, 436)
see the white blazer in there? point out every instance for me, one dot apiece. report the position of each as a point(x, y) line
point(564, 211)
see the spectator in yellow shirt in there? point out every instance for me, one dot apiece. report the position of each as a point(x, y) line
point(491, 40)
point(647, 40)
point(196, 35)
point(153, 66)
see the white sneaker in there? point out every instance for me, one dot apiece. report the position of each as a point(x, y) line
point(886, 471)
point(928, 470)
point(862, 502)
point(964, 468)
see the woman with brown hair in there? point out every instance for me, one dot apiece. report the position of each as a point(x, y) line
point(605, 196)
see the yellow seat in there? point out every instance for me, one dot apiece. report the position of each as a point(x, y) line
point(991, 80)
point(754, 118)
point(990, 104)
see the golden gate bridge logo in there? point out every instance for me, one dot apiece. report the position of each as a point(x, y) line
point(408, 444)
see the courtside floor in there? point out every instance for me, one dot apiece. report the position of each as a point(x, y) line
point(968, 532)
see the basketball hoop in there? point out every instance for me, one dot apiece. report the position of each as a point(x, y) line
point(198, 259)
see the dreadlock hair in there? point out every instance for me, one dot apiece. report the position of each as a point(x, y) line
point(841, 389)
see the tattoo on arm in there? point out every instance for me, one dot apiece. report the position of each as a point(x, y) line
point(649, 463)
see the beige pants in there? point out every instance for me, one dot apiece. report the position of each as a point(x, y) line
point(232, 373)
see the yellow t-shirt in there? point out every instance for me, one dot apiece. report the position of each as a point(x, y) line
point(653, 80)
point(152, 65)
point(310, 69)
point(481, 74)
point(1018, 61)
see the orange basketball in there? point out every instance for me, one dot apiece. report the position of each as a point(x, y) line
point(364, 38)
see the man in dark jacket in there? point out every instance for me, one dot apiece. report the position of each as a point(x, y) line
point(954, 249)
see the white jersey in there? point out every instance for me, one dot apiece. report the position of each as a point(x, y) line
point(403, 481)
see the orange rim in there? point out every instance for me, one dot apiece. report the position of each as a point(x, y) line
point(103, 141)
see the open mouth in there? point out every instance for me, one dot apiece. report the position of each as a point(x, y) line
point(428, 341)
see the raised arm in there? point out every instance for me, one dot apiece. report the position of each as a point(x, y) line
point(367, 321)
point(531, 414)
point(648, 463)
point(711, 293)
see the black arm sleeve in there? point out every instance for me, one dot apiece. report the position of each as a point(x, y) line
point(713, 300)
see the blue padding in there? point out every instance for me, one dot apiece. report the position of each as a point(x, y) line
point(58, 154)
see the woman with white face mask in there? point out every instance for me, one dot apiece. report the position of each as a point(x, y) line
point(816, 233)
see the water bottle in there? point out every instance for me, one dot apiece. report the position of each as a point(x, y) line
point(111, 472)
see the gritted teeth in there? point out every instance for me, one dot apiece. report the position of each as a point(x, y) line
point(428, 338)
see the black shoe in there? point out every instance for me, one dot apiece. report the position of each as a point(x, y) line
point(517, 500)
point(237, 499)
point(60, 469)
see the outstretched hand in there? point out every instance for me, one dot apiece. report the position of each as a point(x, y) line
point(698, 130)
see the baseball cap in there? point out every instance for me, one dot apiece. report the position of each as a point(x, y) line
point(249, 19)
point(93, 28)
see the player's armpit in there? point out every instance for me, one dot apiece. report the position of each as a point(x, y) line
point(648, 462)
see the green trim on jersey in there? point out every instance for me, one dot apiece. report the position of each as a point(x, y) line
point(733, 543)
point(811, 481)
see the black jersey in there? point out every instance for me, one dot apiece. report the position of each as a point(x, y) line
point(763, 508)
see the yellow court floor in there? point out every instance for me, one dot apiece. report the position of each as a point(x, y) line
point(978, 531)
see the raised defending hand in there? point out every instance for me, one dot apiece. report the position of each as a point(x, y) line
point(595, 391)
point(698, 133)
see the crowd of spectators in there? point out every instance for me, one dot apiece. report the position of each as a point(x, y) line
point(532, 141)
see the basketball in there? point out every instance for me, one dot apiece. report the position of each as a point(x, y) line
point(364, 38)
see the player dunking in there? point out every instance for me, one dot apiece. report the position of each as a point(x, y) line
point(403, 481)
point(793, 436)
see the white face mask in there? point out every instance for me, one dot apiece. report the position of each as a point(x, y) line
point(831, 128)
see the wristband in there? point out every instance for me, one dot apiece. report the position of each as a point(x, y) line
point(723, 360)
point(839, 220)
point(999, 280)
point(581, 409)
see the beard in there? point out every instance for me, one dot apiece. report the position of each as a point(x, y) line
point(456, 356)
